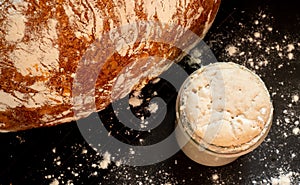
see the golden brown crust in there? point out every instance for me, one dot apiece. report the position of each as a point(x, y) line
point(43, 43)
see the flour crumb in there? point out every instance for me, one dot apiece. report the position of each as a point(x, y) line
point(54, 182)
point(231, 50)
point(257, 35)
point(118, 163)
point(106, 161)
point(155, 81)
point(290, 56)
point(282, 179)
point(287, 120)
point(296, 131)
point(131, 151)
point(84, 151)
point(295, 98)
point(153, 107)
point(215, 177)
point(290, 47)
point(270, 29)
point(135, 101)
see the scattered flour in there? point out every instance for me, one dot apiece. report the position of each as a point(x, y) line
point(290, 56)
point(283, 179)
point(257, 35)
point(215, 177)
point(296, 131)
point(106, 161)
point(231, 50)
point(155, 81)
point(295, 98)
point(84, 151)
point(290, 47)
point(54, 182)
point(153, 107)
point(135, 101)
point(269, 53)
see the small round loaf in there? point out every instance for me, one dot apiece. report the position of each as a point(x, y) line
point(43, 43)
point(226, 106)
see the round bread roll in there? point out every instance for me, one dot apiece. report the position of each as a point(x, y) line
point(50, 50)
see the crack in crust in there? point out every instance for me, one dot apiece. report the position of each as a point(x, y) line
point(42, 42)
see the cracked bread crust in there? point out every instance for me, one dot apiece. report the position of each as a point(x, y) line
point(43, 42)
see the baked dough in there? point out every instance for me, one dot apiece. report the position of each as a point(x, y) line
point(43, 43)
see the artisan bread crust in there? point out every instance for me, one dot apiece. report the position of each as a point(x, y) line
point(43, 43)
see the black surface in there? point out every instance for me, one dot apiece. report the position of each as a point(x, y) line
point(28, 157)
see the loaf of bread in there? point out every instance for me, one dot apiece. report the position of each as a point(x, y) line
point(50, 50)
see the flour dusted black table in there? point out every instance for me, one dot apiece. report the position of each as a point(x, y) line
point(262, 35)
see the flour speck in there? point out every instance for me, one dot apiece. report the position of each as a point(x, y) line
point(106, 161)
point(290, 56)
point(290, 47)
point(295, 98)
point(232, 50)
point(283, 179)
point(257, 35)
point(296, 131)
point(153, 107)
point(215, 177)
point(54, 182)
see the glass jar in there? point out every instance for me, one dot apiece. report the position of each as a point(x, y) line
point(228, 128)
